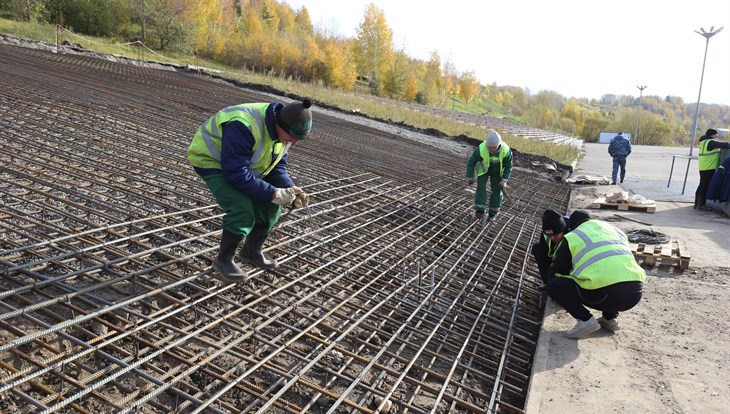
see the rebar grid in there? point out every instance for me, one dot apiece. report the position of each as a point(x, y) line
point(388, 295)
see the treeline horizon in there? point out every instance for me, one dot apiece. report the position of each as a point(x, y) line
point(268, 36)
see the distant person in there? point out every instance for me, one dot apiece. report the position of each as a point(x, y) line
point(708, 160)
point(594, 267)
point(553, 228)
point(492, 160)
point(619, 149)
point(241, 153)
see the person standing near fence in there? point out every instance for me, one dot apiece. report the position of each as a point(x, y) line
point(708, 160)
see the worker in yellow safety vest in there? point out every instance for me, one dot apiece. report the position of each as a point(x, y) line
point(492, 160)
point(553, 230)
point(241, 153)
point(594, 268)
point(708, 160)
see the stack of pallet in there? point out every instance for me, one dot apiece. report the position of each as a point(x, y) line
point(674, 253)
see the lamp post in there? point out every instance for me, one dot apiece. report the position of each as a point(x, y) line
point(707, 36)
point(638, 111)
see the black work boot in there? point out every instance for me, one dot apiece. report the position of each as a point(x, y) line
point(223, 263)
point(251, 251)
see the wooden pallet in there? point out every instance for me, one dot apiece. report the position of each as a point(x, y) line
point(601, 203)
point(673, 253)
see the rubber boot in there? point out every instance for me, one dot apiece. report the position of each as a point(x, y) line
point(223, 263)
point(251, 251)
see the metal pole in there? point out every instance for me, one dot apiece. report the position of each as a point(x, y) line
point(638, 111)
point(707, 36)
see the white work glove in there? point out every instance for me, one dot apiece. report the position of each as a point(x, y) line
point(283, 196)
point(469, 181)
point(301, 199)
point(502, 184)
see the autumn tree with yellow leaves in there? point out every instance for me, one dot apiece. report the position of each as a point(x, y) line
point(268, 36)
point(373, 47)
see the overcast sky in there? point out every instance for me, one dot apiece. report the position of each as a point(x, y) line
point(577, 48)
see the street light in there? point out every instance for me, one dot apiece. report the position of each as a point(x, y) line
point(638, 111)
point(706, 35)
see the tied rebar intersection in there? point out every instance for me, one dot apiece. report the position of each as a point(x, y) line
point(388, 296)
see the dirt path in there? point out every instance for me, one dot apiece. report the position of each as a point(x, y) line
point(671, 355)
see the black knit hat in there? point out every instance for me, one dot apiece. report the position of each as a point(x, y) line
point(710, 132)
point(296, 119)
point(577, 218)
point(552, 223)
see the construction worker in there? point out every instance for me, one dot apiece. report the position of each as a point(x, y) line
point(708, 160)
point(553, 227)
point(594, 267)
point(492, 160)
point(241, 153)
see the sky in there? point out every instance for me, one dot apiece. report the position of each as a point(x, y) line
point(578, 48)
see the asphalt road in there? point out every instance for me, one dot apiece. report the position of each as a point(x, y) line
point(648, 171)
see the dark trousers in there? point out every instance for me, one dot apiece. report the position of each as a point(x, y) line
point(609, 299)
point(618, 162)
point(540, 254)
point(701, 193)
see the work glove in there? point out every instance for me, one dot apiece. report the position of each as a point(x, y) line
point(469, 181)
point(283, 196)
point(301, 199)
point(502, 184)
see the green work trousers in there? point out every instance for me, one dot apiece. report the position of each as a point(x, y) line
point(495, 198)
point(242, 213)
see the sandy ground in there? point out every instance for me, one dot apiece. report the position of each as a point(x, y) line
point(672, 352)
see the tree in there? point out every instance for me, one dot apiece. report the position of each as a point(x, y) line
point(571, 111)
point(431, 80)
point(411, 88)
point(24, 10)
point(593, 124)
point(169, 26)
point(468, 86)
point(448, 82)
point(303, 20)
point(394, 81)
point(213, 26)
point(339, 70)
point(373, 47)
point(87, 16)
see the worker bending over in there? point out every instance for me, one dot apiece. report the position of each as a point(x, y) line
point(241, 153)
point(492, 160)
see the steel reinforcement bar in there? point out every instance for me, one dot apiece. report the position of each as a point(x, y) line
point(388, 296)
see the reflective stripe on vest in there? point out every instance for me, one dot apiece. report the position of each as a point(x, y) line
point(251, 115)
point(601, 256)
point(708, 159)
point(483, 166)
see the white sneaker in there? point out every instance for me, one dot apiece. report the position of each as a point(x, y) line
point(610, 324)
point(583, 328)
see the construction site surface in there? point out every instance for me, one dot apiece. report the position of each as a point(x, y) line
point(388, 297)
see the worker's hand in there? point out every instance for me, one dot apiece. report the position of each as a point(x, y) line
point(283, 196)
point(301, 199)
point(502, 184)
point(469, 181)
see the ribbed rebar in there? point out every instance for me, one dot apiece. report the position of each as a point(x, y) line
point(387, 293)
